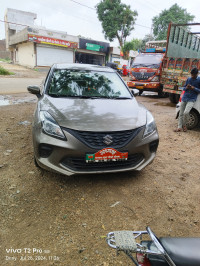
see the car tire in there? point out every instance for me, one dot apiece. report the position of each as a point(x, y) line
point(174, 98)
point(193, 120)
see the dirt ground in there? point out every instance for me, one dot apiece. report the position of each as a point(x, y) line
point(50, 219)
point(23, 72)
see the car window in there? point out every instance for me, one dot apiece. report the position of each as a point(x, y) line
point(83, 83)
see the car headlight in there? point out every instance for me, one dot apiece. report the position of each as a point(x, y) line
point(50, 126)
point(150, 125)
point(155, 79)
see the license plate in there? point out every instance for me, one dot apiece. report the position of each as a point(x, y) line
point(106, 155)
point(139, 87)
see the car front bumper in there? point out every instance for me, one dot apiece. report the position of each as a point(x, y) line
point(68, 157)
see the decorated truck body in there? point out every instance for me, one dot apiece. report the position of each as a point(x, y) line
point(145, 73)
point(182, 54)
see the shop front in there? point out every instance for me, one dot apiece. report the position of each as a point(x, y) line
point(52, 50)
point(91, 52)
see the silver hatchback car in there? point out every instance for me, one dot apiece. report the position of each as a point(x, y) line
point(88, 121)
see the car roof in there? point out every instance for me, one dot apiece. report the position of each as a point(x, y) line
point(76, 66)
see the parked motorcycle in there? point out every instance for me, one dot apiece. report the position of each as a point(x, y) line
point(164, 251)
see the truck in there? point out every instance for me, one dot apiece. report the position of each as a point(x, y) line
point(182, 54)
point(145, 73)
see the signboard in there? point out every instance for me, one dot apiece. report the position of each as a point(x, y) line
point(52, 41)
point(93, 47)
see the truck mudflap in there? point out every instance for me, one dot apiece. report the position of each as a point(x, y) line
point(143, 85)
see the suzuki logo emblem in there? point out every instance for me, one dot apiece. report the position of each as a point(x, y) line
point(107, 139)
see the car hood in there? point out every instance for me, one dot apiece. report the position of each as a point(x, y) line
point(95, 114)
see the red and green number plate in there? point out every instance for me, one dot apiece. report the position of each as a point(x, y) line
point(106, 154)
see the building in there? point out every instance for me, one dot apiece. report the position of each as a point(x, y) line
point(36, 46)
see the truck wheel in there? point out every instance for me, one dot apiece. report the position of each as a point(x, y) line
point(140, 92)
point(193, 120)
point(174, 98)
point(161, 93)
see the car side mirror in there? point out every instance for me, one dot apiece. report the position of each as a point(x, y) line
point(34, 90)
point(135, 92)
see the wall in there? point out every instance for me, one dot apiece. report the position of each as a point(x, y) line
point(26, 54)
point(3, 53)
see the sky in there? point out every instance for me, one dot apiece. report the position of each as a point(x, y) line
point(73, 17)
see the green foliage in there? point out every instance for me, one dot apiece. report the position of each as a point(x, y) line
point(134, 45)
point(3, 71)
point(174, 14)
point(7, 60)
point(117, 20)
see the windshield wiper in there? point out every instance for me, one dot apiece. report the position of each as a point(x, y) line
point(152, 65)
point(61, 95)
point(54, 95)
point(87, 97)
point(143, 65)
point(136, 65)
point(122, 98)
point(117, 98)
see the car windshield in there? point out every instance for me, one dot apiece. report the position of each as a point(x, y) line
point(147, 60)
point(87, 84)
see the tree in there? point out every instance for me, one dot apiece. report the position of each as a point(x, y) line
point(117, 20)
point(174, 14)
point(134, 45)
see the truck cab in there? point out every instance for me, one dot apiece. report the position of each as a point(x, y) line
point(146, 70)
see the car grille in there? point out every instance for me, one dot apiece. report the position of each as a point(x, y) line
point(95, 139)
point(79, 164)
point(142, 76)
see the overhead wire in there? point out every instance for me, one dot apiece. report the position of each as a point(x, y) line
point(76, 2)
point(82, 4)
point(95, 10)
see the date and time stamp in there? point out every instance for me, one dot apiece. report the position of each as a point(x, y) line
point(29, 254)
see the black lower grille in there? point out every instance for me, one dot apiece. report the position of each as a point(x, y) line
point(96, 140)
point(45, 150)
point(153, 146)
point(81, 165)
point(143, 76)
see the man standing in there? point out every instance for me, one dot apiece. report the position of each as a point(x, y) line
point(191, 88)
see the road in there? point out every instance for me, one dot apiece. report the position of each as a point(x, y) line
point(17, 85)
